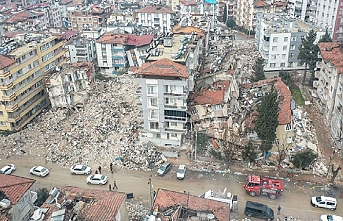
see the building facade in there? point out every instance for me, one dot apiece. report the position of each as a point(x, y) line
point(155, 16)
point(278, 39)
point(22, 76)
point(81, 49)
point(162, 96)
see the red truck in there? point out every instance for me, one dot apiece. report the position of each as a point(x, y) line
point(257, 185)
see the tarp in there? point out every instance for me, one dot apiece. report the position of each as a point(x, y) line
point(211, 1)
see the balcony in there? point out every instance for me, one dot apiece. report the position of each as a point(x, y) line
point(11, 108)
point(81, 54)
point(6, 87)
point(5, 74)
point(14, 119)
point(174, 130)
point(9, 98)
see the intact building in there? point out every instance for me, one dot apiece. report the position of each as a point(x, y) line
point(81, 49)
point(162, 96)
point(155, 16)
point(278, 39)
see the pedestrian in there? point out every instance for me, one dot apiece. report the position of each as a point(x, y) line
point(109, 187)
point(279, 210)
point(96, 171)
point(115, 185)
point(99, 168)
point(111, 167)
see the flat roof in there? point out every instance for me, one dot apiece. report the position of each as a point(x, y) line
point(30, 47)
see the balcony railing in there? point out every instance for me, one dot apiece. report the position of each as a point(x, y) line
point(5, 74)
point(6, 87)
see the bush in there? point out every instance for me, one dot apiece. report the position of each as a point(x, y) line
point(42, 195)
point(304, 159)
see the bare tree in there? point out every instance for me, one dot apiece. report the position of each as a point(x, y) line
point(334, 173)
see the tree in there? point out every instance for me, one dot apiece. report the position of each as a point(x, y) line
point(259, 70)
point(267, 120)
point(249, 154)
point(326, 37)
point(334, 173)
point(225, 14)
point(285, 77)
point(308, 52)
point(201, 141)
point(42, 195)
point(231, 23)
point(304, 159)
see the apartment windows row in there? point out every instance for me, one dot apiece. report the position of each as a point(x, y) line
point(48, 56)
point(283, 64)
point(284, 48)
point(285, 39)
point(46, 46)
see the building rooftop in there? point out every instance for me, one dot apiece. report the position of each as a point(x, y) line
point(13, 188)
point(188, 30)
point(156, 10)
point(5, 61)
point(261, 3)
point(163, 68)
point(188, 2)
point(126, 39)
point(174, 202)
point(211, 95)
point(332, 52)
point(30, 46)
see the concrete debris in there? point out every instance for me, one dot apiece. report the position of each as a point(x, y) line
point(136, 211)
point(93, 135)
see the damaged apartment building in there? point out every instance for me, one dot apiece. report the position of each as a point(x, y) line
point(70, 87)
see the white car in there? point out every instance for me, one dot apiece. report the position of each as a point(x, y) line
point(97, 179)
point(324, 202)
point(39, 171)
point(7, 169)
point(80, 169)
point(181, 172)
point(330, 217)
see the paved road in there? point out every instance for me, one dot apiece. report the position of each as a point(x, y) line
point(294, 202)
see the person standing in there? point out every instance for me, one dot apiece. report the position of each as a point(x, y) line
point(279, 210)
point(99, 168)
point(111, 167)
point(109, 187)
point(115, 185)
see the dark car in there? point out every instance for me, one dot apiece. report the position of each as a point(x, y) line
point(164, 168)
point(258, 210)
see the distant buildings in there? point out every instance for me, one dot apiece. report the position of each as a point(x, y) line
point(162, 97)
point(158, 17)
point(22, 80)
point(278, 39)
point(16, 198)
point(81, 49)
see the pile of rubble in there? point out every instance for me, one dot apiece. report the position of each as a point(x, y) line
point(136, 211)
point(98, 132)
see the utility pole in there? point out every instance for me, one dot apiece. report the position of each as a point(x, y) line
point(195, 145)
point(150, 191)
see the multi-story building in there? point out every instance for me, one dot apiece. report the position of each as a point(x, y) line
point(198, 8)
point(173, 4)
point(302, 10)
point(329, 88)
point(85, 17)
point(278, 39)
point(155, 16)
point(230, 10)
point(63, 5)
point(22, 77)
point(81, 49)
point(162, 96)
point(70, 87)
point(16, 198)
point(111, 51)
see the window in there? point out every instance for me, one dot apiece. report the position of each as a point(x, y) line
point(294, 38)
point(284, 47)
point(292, 47)
point(272, 65)
point(283, 56)
point(217, 107)
point(173, 124)
point(153, 102)
point(152, 89)
point(282, 65)
point(153, 125)
point(291, 55)
point(172, 88)
point(1, 113)
point(285, 39)
point(173, 135)
point(154, 114)
point(3, 123)
point(288, 127)
point(275, 39)
point(274, 48)
point(290, 64)
point(273, 57)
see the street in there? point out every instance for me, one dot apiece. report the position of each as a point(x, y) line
point(294, 202)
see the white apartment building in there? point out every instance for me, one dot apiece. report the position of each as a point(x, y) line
point(156, 17)
point(329, 88)
point(81, 49)
point(301, 9)
point(278, 39)
point(173, 4)
point(198, 8)
point(162, 96)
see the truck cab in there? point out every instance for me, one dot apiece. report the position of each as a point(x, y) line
point(256, 185)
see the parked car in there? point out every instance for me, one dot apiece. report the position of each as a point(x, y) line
point(97, 179)
point(39, 171)
point(7, 169)
point(258, 210)
point(164, 168)
point(330, 217)
point(181, 172)
point(324, 202)
point(80, 169)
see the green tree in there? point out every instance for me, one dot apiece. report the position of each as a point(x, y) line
point(225, 14)
point(267, 120)
point(201, 140)
point(285, 77)
point(326, 37)
point(304, 159)
point(42, 195)
point(249, 154)
point(231, 23)
point(308, 52)
point(258, 70)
